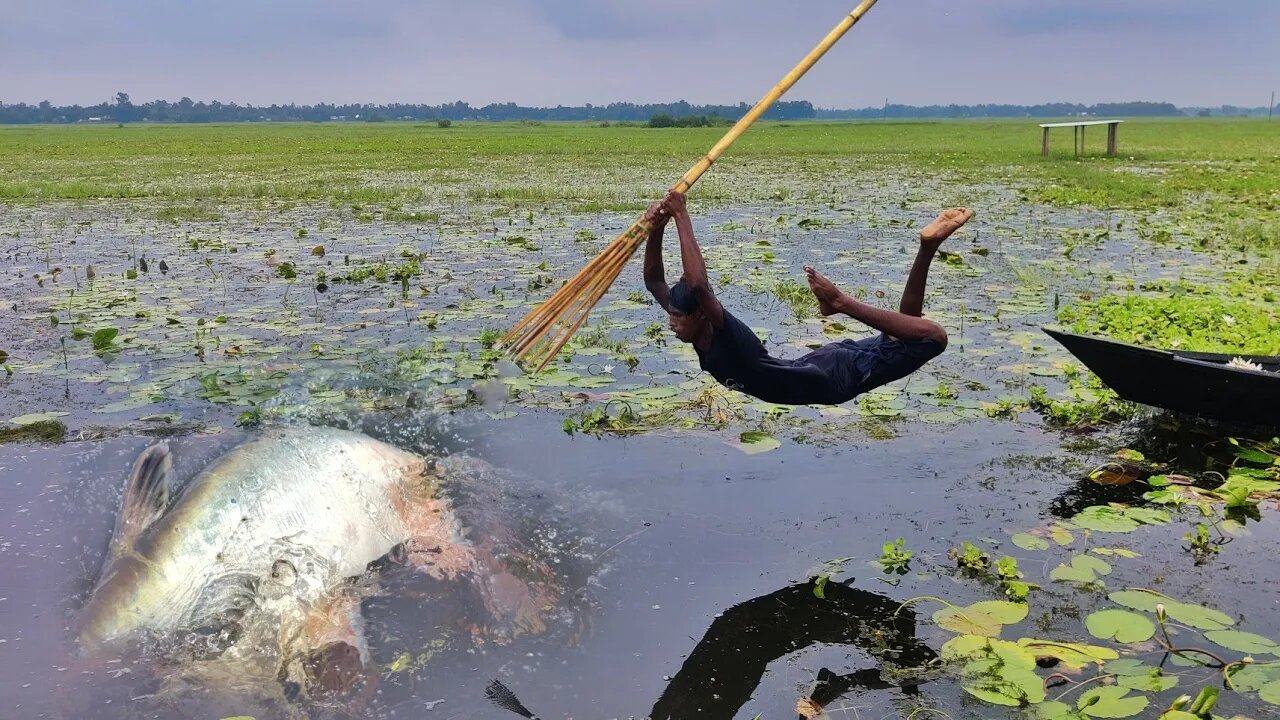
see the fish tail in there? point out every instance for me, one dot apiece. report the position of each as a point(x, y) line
point(502, 696)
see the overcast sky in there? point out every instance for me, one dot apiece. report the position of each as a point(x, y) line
point(549, 52)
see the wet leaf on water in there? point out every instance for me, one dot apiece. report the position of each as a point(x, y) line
point(1198, 616)
point(1241, 641)
point(1255, 676)
point(1112, 519)
point(1126, 667)
point(318, 251)
point(1138, 599)
point(1061, 535)
point(1027, 541)
point(1256, 457)
point(1148, 516)
point(1082, 569)
point(1178, 715)
point(1123, 626)
point(1130, 455)
point(984, 618)
point(967, 623)
point(1152, 681)
point(1113, 475)
point(1105, 519)
point(1111, 702)
point(808, 709)
point(34, 418)
point(1011, 687)
point(820, 586)
point(1118, 552)
point(4, 357)
point(755, 442)
point(1005, 612)
point(1270, 693)
point(1054, 710)
point(1073, 655)
point(103, 338)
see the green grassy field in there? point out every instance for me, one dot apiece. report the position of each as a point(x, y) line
point(463, 229)
point(1161, 161)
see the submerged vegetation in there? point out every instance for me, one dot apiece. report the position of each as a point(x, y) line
point(247, 274)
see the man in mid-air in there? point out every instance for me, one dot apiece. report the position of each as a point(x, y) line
point(830, 375)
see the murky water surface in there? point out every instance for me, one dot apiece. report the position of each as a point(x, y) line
point(690, 559)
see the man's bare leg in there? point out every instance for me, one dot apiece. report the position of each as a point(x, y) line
point(907, 324)
point(931, 238)
point(895, 324)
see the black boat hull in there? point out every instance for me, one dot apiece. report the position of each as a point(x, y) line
point(1194, 383)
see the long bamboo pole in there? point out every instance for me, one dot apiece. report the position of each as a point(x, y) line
point(567, 309)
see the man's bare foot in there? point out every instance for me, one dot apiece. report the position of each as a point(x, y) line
point(940, 229)
point(825, 291)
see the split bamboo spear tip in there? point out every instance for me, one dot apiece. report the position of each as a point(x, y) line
point(540, 335)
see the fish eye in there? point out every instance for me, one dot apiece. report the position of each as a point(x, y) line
point(283, 572)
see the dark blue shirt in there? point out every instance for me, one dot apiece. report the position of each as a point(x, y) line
point(739, 361)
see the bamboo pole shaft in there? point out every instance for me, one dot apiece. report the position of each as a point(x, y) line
point(567, 309)
point(772, 97)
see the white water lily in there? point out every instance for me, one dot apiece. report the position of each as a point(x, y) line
point(1228, 320)
point(1243, 364)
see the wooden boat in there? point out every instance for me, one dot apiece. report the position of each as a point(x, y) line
point(1190, 382)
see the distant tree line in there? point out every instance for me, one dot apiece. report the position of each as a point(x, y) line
point(1046, 110)
point(188, 111)
point(680, 114)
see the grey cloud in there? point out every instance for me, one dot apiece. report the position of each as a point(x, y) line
point(575, 51)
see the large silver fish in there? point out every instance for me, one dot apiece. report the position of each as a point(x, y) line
point(270, 537)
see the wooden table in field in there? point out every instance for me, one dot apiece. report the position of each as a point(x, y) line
point(1078, 132)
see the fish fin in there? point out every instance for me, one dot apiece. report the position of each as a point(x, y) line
point(146, 495)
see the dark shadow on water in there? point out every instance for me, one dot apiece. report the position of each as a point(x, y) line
point(727, 665)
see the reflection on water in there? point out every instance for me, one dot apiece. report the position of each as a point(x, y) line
point(726, 667)
point(729, 662)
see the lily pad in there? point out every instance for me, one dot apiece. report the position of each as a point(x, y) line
point(103, 338)
point(755, 442)
point(1240, 641)
point(1073, 655)
point(1125, 667)
point(1111, 702)
point(1255, 676)
point(1005, 674)
point(1027, 541)
point(34, 418)
point(1122, 626)
point(1137, 599)
point(1198, 616)
point(968, 623)
point(1008, 613)
point(1054, 710)
point(1061, 535)
point(1153, 681)
point(1082, 569)
point(1270, 693)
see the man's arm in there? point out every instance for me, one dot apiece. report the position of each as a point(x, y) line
point(695, 268)
point(655, 279)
